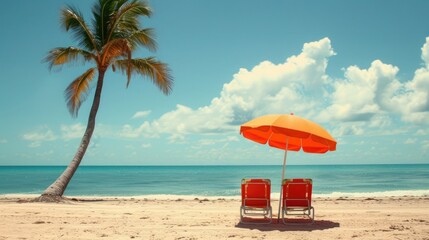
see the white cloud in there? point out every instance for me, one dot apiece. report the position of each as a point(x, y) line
point(411, 98)
point(35, 144)
point(410, 141)
point(141, 114)
point(43, 134)
point(422, 132)
point(74, 131)
point(129, 131)
point(373, 94)
point(356, 98)
point(364, 99)
point(425, 52)
point(293, 86)
point(348, 129)
point(380, 120)
point(3, 141)
point(146, 145)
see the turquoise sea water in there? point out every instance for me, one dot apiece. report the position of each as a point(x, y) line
point(328, 180)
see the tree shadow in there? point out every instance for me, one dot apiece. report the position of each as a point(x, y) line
point(279, 226)
point(86, 200)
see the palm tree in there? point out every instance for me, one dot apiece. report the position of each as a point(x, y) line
point(109, 42)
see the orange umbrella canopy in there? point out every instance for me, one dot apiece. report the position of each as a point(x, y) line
point(289, 132)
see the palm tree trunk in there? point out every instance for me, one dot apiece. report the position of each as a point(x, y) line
point(56, 190)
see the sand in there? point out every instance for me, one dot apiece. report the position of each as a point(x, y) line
point(139, 218)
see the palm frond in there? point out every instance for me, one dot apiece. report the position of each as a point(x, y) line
point(102, 12)
point(144, 37)
point(71, 19)
point(128, 14)
point(157, 71)
point(126, 17)
point(60, 56)
point(114, 49)
point(78, 90)
point(115, 33)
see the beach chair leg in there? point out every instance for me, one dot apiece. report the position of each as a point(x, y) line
point(305, 213)
point(266, 214)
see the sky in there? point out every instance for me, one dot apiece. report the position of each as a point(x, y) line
point(360, 69)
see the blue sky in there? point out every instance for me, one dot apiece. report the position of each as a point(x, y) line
point(358, 68)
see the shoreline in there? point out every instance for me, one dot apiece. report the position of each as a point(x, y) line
point(274, 195)
point(131, 218)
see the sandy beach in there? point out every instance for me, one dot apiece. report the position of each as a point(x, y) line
point(213, 218)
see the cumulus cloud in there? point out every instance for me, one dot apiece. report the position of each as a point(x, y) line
point(411, 98)
point(362, 99)
point(129, 131)
point(146, 145)
point(41, 135)
point(422, 132)
point(366, 94)
point(357, 97)
point(38, 136)
point(76, 131)
point(141, 114)
point(267, 88)
point(425, 52)
point(72, 131)
point(349, 129)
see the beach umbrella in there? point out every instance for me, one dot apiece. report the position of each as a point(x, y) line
point(289, 133)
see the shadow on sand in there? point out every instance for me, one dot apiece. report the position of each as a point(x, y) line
point(275, 226)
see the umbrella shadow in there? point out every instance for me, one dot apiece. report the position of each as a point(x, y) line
point(279, 226)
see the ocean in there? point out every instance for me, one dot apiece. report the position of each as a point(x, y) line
point(127, 181)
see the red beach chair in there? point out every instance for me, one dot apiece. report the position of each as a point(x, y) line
point(296, 199)
point(255, 201)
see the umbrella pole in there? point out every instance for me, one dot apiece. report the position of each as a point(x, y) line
point(283, 176)
point(284, 165)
